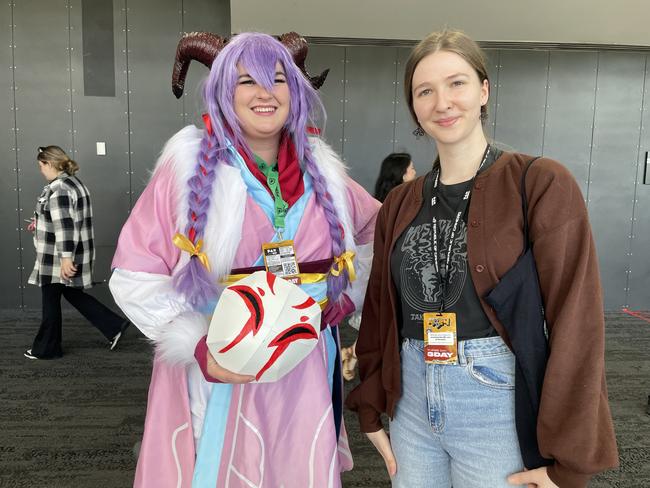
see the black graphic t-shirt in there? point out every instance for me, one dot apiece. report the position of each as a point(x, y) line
point(415, 276)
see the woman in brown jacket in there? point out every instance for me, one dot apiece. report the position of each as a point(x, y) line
point(432, 353)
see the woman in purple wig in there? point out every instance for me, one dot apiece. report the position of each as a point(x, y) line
point(257, 173)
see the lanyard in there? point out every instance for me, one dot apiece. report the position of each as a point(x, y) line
point(443, 280)
point(273, 180)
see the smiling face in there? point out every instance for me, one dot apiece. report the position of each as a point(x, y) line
point(262, 114)
point(447, 98)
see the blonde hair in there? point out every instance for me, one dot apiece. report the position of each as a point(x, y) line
point(453, 41)
point(57, 157)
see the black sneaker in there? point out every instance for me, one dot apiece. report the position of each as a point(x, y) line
point(119, 335)
point(28, 354)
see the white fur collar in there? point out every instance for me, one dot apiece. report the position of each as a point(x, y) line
point(336, 176)
point(228, 202)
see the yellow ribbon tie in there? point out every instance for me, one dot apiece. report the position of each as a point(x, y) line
point(184, 244)
point(342, 262)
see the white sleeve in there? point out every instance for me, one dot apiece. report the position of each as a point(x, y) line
point(147, 299)
point(357, 289)
point(160, 313)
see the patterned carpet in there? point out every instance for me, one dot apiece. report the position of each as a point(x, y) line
point(74, 422)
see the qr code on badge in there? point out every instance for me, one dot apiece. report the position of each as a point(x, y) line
point(289, 269)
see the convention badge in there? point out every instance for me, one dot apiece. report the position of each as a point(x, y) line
point(280, 259)
point(440, 339)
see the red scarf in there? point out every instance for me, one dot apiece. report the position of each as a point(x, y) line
point(291, 184)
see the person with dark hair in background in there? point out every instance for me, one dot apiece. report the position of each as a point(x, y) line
point(434, 354)
point(65, 252)
point(396, 168)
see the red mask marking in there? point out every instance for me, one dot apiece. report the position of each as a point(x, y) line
point(297, 332)
point(307, 303)
point(254, 304)
point(270, 279)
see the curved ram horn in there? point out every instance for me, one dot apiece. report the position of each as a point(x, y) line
point(297, 46)
point(201, 46)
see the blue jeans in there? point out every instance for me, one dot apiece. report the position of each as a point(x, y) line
point(455, 424)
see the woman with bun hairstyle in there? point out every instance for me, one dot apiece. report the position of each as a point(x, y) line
point(432, 353)
point(65, 253)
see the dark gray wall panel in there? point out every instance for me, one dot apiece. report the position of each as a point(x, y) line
point(98, 32)
point(103, 119)
point(207, 15)
point(155, 113)
point(10, 239)
point(614, 164)
point(369, 110)
point(522, 100)
point(570, 111)
point(493, 56)
point(422, 150)
point(200, 15)
point(332, 93)
point(43, 103)
point(638, 296)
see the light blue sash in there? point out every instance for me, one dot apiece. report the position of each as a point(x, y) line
point(208, 458)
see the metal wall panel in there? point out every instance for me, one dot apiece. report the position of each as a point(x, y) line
point(155, 113)
point(332, 93)
point(522, 100)
point(493, 57)
point(422, 150)
point(614, 165)
point(10, 239)
point(98, 28)
point(570, 111)
point(43, 97)
point(369, 110)
point(142, 116)
point(102, 119)
point(638, 296)
point(199, 15)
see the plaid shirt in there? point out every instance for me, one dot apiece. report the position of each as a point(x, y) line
point(64, 229)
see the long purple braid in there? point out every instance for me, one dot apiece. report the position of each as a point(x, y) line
point(335, 284)
point(194, 280)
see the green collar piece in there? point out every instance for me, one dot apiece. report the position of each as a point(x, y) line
point(273, 180)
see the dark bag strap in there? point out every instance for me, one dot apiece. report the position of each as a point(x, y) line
point(524, 203)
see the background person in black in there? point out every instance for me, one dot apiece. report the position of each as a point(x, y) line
point(65, 255)
point(396, 168)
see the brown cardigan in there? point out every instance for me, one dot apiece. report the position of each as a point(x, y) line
point(574, 425)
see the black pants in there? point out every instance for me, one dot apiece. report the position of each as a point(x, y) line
point(47, 343)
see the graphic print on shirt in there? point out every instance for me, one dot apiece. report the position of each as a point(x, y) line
point(418, 277)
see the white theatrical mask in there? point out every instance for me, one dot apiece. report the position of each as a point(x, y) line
point(263, 326)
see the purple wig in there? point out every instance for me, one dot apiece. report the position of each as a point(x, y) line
point(258, 54)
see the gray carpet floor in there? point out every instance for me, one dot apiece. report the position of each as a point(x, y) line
point(73, 422)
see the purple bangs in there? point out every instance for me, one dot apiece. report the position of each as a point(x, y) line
point(258, 54)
